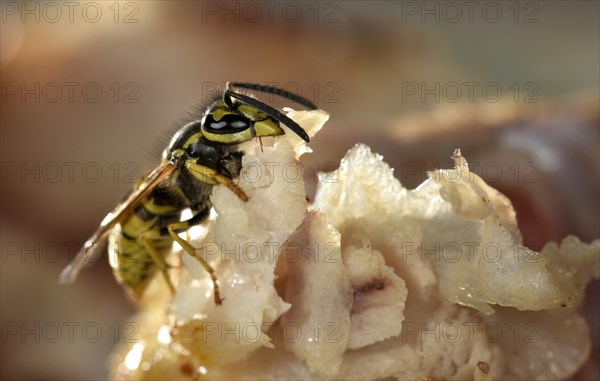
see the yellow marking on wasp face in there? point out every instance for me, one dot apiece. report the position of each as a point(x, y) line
point(267, 127)
point(219, 113)
point(193, 139)
point(236, 137)
point(252, 113)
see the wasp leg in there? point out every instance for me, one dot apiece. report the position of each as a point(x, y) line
point(158, 257)
point(211, 176)
point(184, 225)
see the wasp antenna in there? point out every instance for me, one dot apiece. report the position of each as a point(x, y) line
point(227, 97)
point(272, 90)
point(272, 112)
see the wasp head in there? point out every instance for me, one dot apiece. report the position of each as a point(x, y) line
point(230, 122)
point(234, 119)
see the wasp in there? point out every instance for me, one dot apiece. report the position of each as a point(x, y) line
point(203, 153)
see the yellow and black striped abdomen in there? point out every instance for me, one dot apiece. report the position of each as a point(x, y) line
point(132, 264)
point(142, 230)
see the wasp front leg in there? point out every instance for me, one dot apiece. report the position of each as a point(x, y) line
point(176, 227)
point(211, 176)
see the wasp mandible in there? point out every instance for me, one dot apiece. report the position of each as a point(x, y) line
point(202, 154)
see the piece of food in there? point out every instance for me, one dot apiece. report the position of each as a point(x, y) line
point(371, 281)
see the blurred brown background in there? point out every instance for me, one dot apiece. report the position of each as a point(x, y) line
point(90, 90)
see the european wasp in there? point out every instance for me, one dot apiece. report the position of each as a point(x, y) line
point(203, 153)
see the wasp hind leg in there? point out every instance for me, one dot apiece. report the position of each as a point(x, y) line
point(184, 225)
point(158, 257)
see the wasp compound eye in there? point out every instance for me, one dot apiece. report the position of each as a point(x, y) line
point(230, 123)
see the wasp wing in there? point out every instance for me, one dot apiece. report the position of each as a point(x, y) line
point(85, 255)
